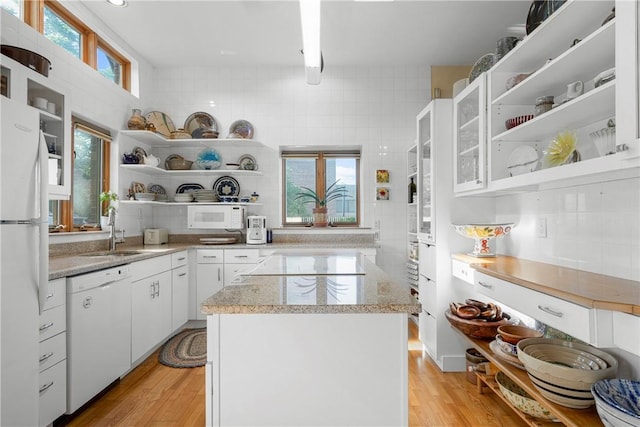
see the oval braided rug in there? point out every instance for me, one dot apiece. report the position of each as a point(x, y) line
point(188, 349)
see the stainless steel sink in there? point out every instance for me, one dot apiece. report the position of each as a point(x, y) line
point(112, 253)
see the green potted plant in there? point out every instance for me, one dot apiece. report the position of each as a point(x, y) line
point(332, 192)
point(107, 201)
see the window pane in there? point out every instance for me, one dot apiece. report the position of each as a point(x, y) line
point(54, 213)
point(343, 170)
point(300, 172)
point(61, 33)
point(11, 6)
point(109, 67)
point(87, 178)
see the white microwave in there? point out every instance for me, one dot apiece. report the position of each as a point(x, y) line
point(216, 216)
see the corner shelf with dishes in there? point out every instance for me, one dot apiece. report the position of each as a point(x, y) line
point(153, 202)
point(154, 170)
point(154, 139)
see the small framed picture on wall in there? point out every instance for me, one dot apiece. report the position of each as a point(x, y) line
point(382, 176)
point(382, 193)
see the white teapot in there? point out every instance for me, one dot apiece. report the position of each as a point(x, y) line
point(151, 160)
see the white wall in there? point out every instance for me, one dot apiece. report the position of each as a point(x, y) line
point(592, 227)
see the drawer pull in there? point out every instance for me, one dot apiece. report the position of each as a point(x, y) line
point(182, 274)
point(46, 326)
point(209, 256)
point(49, 296)
point(182, 259)
point(486, 285)
point(550, 311)
point(241, 256)
point(46, 386)
point(46, 356)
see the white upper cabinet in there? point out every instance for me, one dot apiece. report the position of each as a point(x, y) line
point(574, 57)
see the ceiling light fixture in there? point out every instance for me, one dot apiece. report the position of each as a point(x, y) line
point(310, 19)
point(117, 3)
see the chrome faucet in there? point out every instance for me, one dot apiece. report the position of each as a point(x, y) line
point(113, 240)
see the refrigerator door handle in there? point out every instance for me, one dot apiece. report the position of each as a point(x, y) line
point(43, 240)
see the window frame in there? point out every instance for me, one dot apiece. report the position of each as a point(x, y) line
point(66, 206)
point(320, 157)
point(33, 11)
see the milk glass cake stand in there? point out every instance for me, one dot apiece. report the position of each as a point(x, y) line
point(481, 233)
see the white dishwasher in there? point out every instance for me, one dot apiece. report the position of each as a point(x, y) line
point(98, 332)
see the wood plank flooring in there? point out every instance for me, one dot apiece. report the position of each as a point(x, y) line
point(156, 395)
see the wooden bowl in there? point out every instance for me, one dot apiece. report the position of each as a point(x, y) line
point(514, 333)
point(477, 328)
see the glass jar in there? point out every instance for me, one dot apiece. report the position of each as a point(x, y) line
point(543, 104)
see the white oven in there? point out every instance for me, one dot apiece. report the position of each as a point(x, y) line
point(216, 216)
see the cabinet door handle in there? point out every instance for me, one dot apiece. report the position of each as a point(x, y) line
point(46, 356)
point(485, 285)
point(219, 274)
point(182, 259)
point(152, 288)
point(550, 311)
point(46, 326)
point(158, 288)
point(182, 274)
point(46, 386)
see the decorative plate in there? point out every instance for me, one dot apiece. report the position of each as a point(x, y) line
point(241, 129)
point(483, 64)
point(247, 162)
point(157, 189)
point(208, 159)
point(523, 159)
point(198, 122)
point(188, 188)
point(162, 123)
point(139, 153)
point(138, 187)
point(226, 186)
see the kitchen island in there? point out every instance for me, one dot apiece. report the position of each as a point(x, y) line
point(313, 339)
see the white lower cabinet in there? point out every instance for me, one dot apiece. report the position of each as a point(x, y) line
point(179, 289)
point(150, 313)
point(209, 276)
point(53, 355)
point(238, 261)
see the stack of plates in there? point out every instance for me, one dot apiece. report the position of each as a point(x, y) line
point(205, 196)
point(147, 197)
point(183, 197)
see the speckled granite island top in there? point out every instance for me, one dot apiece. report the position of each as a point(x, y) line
point(319, 283)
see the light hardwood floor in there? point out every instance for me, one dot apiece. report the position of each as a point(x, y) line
point(156, 395)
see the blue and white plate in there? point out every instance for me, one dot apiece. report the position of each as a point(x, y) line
point(622, 394)
point(208, 159)
point(226, 186)
point(188, 188)
point(156, 188)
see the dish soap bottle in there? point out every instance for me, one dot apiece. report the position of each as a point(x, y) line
point(412, 191)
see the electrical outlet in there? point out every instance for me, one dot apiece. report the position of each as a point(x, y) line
point(541, 227)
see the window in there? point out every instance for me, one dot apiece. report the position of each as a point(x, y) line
point(318, 170)
point(91, 148)
point(51, 19)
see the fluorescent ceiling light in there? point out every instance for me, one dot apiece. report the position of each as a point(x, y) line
point(310, 19)
point(118, 3)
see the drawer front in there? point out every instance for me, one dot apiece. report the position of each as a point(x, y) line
point(625, 332)
point(566, 316)
point(428, 295)
point(427, 332)
point(52, 322)
point(53, 350)
point(57, 294)
point(149, 267)
point(210, 256)
point(241, 256)
point(53, 393)
point(179, 259)
point(462, 271)
point(427, 255)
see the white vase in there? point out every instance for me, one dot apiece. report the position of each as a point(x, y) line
point(104, 222)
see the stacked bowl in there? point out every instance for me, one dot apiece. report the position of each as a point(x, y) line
point(145, 197)
point(617, 402)
point(564, 371)
point(183, 197)
point(205, 196)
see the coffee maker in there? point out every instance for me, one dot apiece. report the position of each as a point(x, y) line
point(256, 230)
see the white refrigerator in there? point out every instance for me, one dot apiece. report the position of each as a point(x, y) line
point(24, 258)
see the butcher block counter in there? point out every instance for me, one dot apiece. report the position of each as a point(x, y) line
point(580, 287)
point(312, 339)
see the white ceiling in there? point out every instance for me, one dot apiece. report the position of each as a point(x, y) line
point(205, 33)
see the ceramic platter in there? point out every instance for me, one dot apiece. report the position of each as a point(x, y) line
point(156, 188)
point(241, 129)
point(138, 187)
point(208, 159)
point(512, 360)
point(483, 64)
point(188, 188)
point(226, 186)
point(139, 153)
point(247, 162)
point(523, 159)
point(162, 123)
point(198, 122)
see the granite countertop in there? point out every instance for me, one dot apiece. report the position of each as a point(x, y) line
point(351, 284)
point(581, 287)
point(72, 265)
